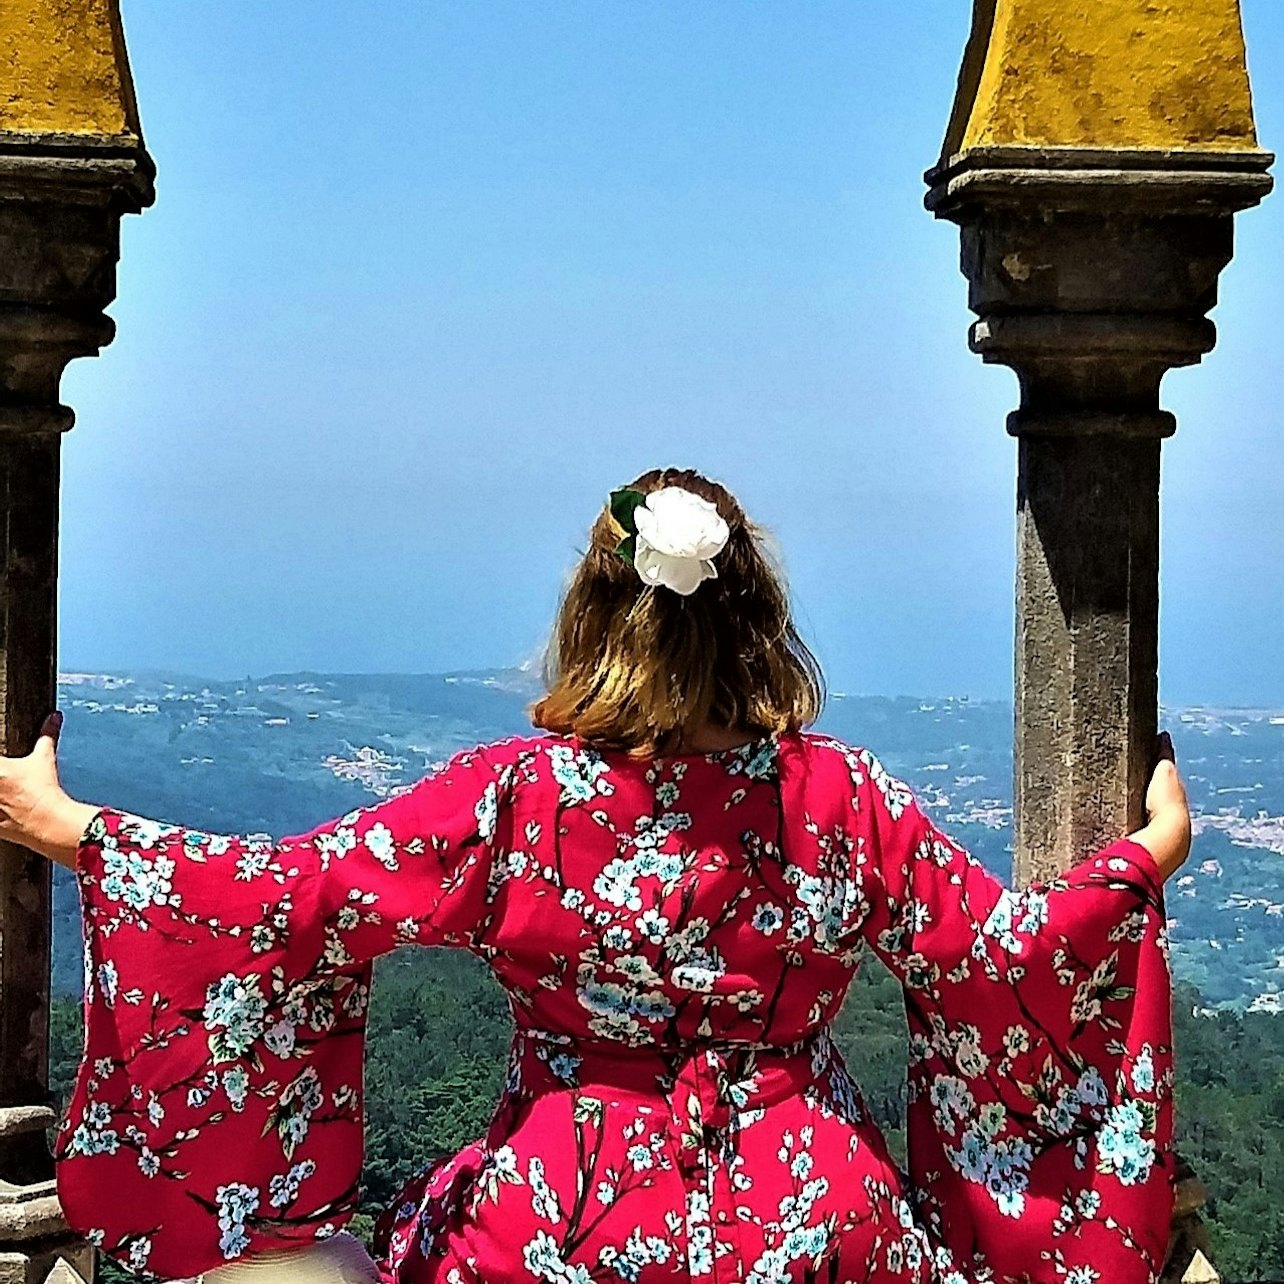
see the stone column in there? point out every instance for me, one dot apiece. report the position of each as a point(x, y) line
point(72, 162)
point(1094, 162)
point(1092, 274)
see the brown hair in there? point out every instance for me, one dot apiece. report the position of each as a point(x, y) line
point(632, 665)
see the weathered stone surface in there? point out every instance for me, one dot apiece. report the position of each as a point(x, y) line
point(22, 1119)
point(28, 598)
point(15, 1268)
point(1113, 73)
point(65, 69)
point(1200, 1271)
point(1162, 181)
point(65, 1273)
point(31, 1213)
point(48, 1265)
point(60, 211)
point(1087, 637)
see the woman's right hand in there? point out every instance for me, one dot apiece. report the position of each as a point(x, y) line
point(34, 808)
point(1167, 832)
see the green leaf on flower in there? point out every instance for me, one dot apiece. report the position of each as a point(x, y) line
point(624, 503)
point(628, 549)
point(222, 1049)
point(588, 1109)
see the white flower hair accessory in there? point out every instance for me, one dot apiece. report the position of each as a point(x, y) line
point(672, 536)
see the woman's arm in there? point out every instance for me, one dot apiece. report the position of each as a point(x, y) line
point(217, 1108)
point(1166, 835)
point(1040, 1033)
point(35, 810)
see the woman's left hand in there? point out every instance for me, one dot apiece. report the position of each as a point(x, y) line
point(35, 810)
point(1167, 832)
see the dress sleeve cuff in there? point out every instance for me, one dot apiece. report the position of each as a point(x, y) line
point(1138, 859)
point(89, 844)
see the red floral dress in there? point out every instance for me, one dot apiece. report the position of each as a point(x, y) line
point(675, 936)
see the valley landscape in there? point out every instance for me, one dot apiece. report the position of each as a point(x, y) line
point(280, 754)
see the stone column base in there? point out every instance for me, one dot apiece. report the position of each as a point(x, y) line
point(36, 1245)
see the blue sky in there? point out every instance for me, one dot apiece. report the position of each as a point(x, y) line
point(423, 282)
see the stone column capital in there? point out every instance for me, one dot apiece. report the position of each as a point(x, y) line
point(1092, 272)
point(61, 201)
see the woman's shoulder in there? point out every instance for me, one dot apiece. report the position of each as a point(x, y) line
point(831, 766)
point(833, 751)
point(480, 764)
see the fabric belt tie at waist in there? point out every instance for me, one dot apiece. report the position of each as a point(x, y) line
point(706, 1086)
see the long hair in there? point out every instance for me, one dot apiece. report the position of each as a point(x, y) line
point(634, 666)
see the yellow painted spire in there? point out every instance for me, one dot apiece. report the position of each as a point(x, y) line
point(64, 70)
point(1104, 74)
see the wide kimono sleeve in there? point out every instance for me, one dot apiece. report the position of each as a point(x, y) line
point(1040, 1056)
point(218, 1105)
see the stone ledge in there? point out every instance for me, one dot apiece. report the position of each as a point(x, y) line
point(30, 1213)
point(15, 1120)
point(1046, 423)
point(66, 167)
point(1159, 183)
point(1085, 335)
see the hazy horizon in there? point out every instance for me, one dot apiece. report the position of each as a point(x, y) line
point(169, 673)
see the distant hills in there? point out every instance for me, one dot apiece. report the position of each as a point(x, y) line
point(279, 754)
